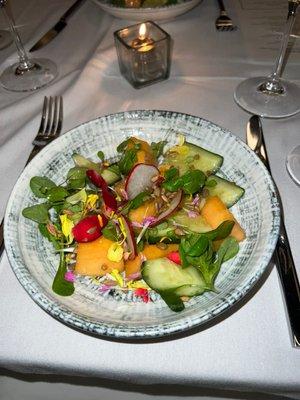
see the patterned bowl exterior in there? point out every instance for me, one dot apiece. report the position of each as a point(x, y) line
point(124, 316)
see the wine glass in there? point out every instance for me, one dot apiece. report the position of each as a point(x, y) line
point(293, 164)
point(271, 96)
point(5, 39)
point(27, 74)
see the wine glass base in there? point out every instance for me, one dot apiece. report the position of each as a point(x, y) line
point(43, 72)
point(5, 39)
point(293, 164)
point(266, 105)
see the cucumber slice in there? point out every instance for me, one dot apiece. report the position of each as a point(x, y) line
point(227, 191)
point(197, 224)
point(193, 157)
point(110, 176)
point(162, 274)
point(164, 230)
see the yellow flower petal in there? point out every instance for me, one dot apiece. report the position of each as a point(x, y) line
point(66, 227)
point(117, 277)
point(137, 285)
point(91, 200)
point(115, 252)
point(181, 139)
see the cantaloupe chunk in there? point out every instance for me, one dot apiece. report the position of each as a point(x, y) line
point(133, 266)
point(145, 154)
point(152, 251)
point(215, 212)
point(147, 209)
point(92, 258)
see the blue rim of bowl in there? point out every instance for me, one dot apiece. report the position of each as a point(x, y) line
point(99, 328)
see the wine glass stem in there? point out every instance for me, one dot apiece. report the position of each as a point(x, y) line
point(273, 85)
point(24, 63)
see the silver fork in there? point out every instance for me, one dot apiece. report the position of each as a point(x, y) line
point(223, 22)
point(50, 128)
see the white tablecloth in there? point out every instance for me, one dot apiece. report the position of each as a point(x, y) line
point(250, 350)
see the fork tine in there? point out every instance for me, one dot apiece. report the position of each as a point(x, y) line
point(49, 119)
point(60, 116)
point(54, 117)
point(44, 113)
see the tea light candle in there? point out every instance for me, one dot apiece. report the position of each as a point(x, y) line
point(143, 53)
point(143, 43)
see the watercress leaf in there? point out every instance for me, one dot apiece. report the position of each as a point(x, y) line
point(172, 173)
point(221, 232)
point(40, 186)
point(195, 245)
point(228, 249)
point(110, 231)
point(136, 202)
point(183, 257)
point(76, 184)
point(122, 146)
point(127, 161)
point(192, 181)
point(101, 155)
point(37, 213)
point(77, 173)
point(172, 300)
point(158, 148)
point(60, 286)
point(57, 193)
point(44, 231)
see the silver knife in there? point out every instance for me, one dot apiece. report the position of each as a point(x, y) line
point(283, 255)
point(58, 27)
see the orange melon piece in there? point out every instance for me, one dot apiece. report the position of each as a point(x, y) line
point(92, 258)
point(152, 251)
point(145, 154)
point(133, 266)
point(215, 212)
point(147, 209)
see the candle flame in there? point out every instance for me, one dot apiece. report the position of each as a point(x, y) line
point(142, 31)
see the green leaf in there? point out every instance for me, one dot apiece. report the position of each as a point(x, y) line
point(37, 213)
point(122, 146)
point(221, 232)
point(127, 161)
point(228, 249)
point(110, 231)
point(60, 286)
point(136, 202)
point(77, 173)
point(40, 186)
point(173, 301)
point(191, 182)
point(211, 183)
point(101, 155)
point(158, 148)
point(57, 193)
point(44, 231)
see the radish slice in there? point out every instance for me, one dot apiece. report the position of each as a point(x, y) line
point(89, 228)
point(108, 198)
point(139, 179)
point(130, 239)
point(175, 203)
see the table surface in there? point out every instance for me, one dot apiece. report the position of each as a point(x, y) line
point(251, 348)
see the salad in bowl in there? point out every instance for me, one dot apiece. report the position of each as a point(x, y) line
point(150, 221)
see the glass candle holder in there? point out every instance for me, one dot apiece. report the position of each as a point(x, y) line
point(143, 53)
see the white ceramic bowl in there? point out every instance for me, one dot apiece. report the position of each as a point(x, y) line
point(148, 14)
point(123, 316)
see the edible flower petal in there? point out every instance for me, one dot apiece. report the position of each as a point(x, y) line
point(117, 277)
point(66, 226)
point(137, 285)
point(181, 139)
point(143, 293)
point(115, 252)
point(192, 214)
point(91, 201)
point(70, 276)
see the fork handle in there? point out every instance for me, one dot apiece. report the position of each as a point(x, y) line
point(221, 6)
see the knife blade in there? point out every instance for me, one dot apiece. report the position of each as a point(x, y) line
point(58, 27)
point(282, 255)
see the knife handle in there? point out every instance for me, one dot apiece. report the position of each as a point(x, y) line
point(71, 10)
point(289, 280)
